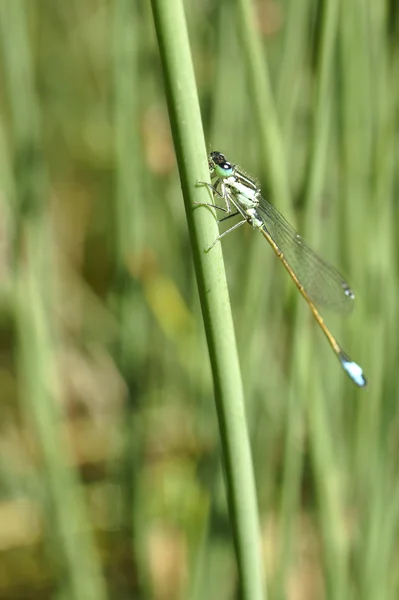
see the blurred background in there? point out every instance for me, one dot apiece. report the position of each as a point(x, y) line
point(111, 484)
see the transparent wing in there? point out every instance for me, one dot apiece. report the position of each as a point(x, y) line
point(324, 285)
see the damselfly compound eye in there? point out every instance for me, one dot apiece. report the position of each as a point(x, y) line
point(222, 166)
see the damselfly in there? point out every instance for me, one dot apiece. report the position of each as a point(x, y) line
point(318, 282)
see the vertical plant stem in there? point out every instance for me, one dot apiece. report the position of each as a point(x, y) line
point(128, 236)
point(191, 155)
point(271, 143)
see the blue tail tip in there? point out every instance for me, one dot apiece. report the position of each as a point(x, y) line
point(354, 370)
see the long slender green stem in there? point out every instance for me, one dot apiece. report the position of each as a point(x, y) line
point(271, 144)
point(190, 149)
point(322, 116)
point(128, 237)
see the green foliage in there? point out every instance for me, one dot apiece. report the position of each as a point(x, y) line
point(110, 475)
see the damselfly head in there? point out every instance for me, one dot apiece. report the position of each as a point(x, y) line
point(219, 164)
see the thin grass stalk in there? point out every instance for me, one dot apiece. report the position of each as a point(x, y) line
point(292, 70)
point(190, 149)
point(270, 140)
point(126, 294)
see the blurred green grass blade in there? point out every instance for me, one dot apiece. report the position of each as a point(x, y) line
point(331, 499)
point(66, 518)
point(126, 295)
point(128, 148)
point(191, 155)
point(290, 490)
point(292, 68)
point(271, 144)
point(8, 216)
point(322, 115)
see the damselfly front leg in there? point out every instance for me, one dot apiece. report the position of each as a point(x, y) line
point(214, 190)
point(227, 209)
